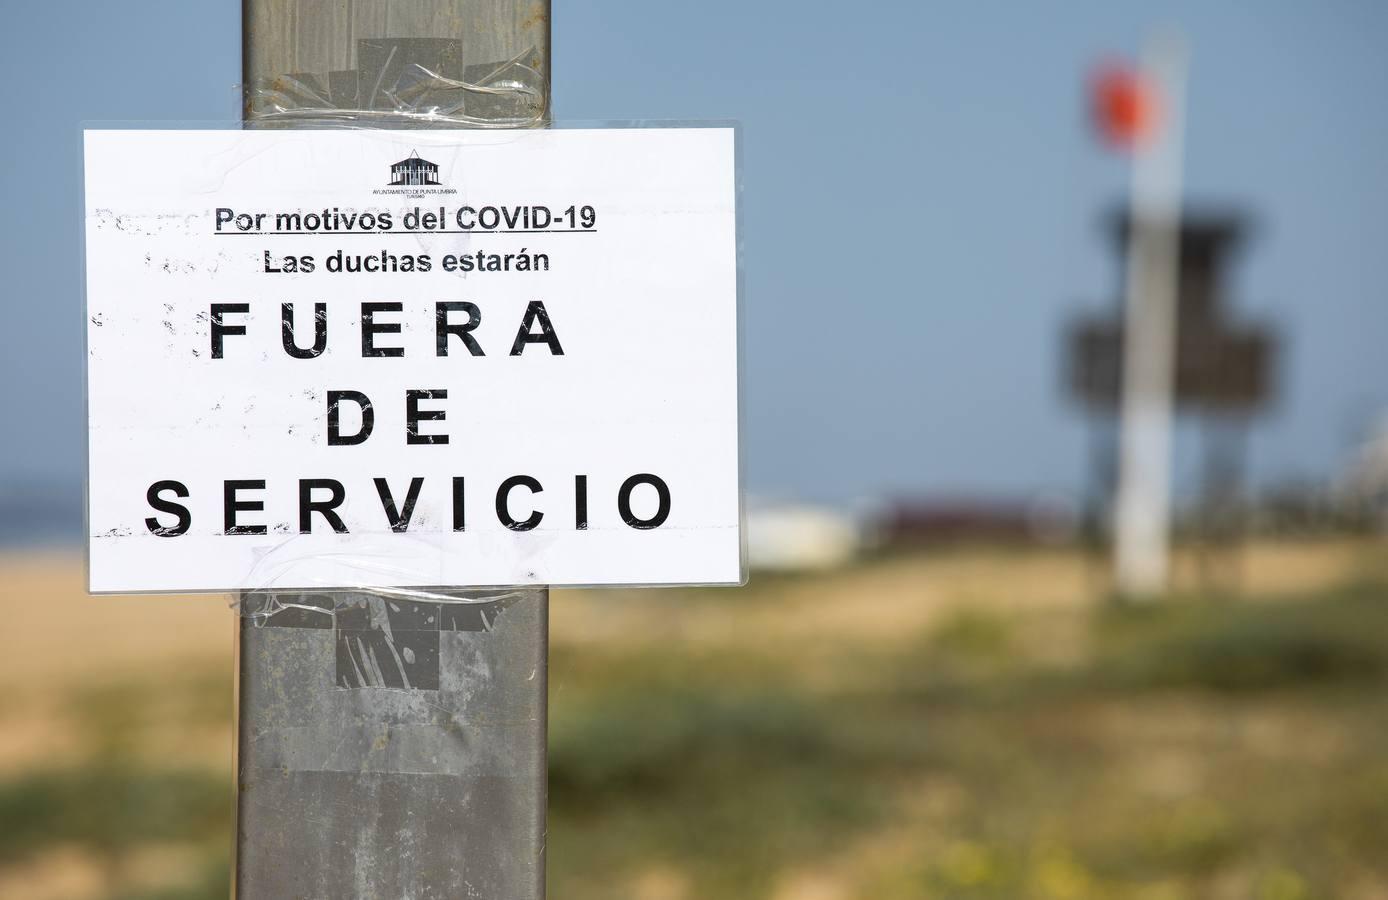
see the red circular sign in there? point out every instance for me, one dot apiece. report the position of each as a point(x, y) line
point(1123, 105)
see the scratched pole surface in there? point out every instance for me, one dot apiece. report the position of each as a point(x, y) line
point(393, 748)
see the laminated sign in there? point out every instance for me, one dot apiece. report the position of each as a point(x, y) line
point(322, 359)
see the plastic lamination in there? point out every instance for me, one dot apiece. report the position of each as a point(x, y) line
point(397, 63)
point(407, 82)
point(261, 606)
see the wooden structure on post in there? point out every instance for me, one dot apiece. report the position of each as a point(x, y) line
point(1223, 370)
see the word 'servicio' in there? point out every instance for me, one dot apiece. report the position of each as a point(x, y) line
point(320, 501)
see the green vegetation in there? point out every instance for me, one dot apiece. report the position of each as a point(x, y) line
point(110, 808)
point(1194, 748)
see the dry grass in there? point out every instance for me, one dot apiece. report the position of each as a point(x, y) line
point(56, 634)
point(967, 723)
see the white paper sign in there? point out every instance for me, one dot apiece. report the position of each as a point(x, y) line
point(325, 359)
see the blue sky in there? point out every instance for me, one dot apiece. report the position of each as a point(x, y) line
point(921, 207)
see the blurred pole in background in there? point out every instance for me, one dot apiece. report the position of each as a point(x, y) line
point(392, 744)
point(1142, 510)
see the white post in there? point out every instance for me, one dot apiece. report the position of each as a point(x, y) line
point(1142, 514)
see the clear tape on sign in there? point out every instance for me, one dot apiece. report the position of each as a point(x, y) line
point(404, 82)
point(390, 639)
point(374, 564)
point(261, 606)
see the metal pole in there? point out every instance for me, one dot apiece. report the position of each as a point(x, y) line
point(1142, 510)
point(390, 746)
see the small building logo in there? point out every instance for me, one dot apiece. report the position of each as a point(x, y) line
point(414, 177)
point(414, 172)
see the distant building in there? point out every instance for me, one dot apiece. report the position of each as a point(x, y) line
point(792, 538)
point(414, 171)
point(1045, 519)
